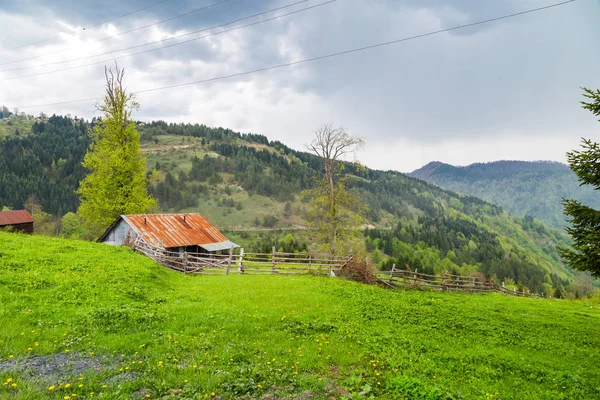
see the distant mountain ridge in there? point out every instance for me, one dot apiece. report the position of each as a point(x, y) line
point(534, 188)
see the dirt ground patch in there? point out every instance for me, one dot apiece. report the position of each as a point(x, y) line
point(56, 366)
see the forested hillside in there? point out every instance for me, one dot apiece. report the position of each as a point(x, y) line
point(534, 189)
point(246, 181)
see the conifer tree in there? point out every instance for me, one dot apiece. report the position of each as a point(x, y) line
point(584, 227)
point(116, 183)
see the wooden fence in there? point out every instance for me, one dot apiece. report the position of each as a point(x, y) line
point(316, 264)
point(445, 282)
point(243, 263)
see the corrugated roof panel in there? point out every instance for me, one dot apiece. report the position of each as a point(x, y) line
point(15, 217)
point(226, 245)
point(175, 230)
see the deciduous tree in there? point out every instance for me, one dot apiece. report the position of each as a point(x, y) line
point(116, 183)
point(335, 211)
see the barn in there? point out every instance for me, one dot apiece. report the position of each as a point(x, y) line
point(173, 232)
point(16, 221)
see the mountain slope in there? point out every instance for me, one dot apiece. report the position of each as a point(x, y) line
point(520, 187)
point(246, 180)
point(86, 320)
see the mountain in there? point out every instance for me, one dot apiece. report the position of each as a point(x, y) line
point(523, 188)
point(245, 181)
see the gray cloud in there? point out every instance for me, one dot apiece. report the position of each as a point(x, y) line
point(510, 84)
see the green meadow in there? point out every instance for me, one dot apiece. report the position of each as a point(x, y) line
point(129, 327)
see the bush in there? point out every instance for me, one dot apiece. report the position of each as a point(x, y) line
point(269, 221)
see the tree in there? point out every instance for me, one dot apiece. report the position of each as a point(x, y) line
point(116, 183)
point(558, 293)
point(71, 226)
point(33, 205)
point(287, 210)
point(335, 211)
point(584, 227)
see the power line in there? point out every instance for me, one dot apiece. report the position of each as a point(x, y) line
point(91, 26)
point(155, 42)
point(326, 56)
point(104, 39)
point(179, 43)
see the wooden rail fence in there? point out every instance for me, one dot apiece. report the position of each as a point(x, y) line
point(243, 263)
point(316, 264)
point(445, 282)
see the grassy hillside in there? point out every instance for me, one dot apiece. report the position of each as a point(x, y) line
point(246, 181)
point(15, 126)
point(123, 325)
point(520, 187)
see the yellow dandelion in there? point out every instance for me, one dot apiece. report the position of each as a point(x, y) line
point(68, 385)
point(51, 387)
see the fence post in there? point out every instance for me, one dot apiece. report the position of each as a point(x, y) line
point(240, 265)
point(444, 281)
point(309, 262)
point(273, 261)
point(229, 259)
point(392, 272)
point(185, 262)
point(415, 277)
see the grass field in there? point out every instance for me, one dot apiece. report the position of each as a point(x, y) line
point(146, 330)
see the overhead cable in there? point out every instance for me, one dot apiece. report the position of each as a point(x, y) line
point(183, 42)
point(90, 26)
point(326, 56)
point(103, 39)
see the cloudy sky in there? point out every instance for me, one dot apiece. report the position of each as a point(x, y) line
point(504, 90)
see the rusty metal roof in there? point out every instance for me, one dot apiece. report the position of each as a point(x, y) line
point(15, 217)
point(174, 230)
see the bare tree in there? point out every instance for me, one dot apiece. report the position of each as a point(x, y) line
point(331, 144)
point(118, 104)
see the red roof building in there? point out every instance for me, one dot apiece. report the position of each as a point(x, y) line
point(16, 220)
point(182, 232)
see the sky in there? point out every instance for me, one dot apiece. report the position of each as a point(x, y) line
point(506, 90)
